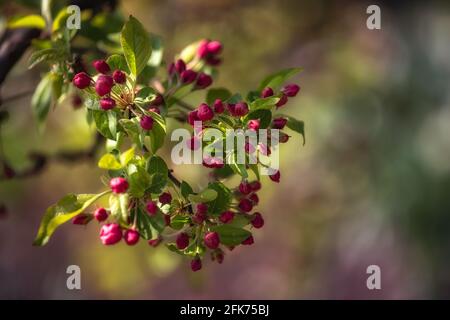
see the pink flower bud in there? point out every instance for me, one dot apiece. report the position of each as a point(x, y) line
point(107, 103)
point(118, 185)
point(212, 240)
point(264, 149)
point(188, 76)
point(291, 90)
point(180, 66)
point(275, 177)
point(283, 138)
point(171, 70)
point(182, 241)
point(279, 123)
point(218, 106)
point(192, 117)
point(146, 123)
point(151, 207)
point(157, 101)
point(82, 219)
point(199, 217)
point(203, 81)
point(204, 112)
point(202, 50)
point(213, 61)
point(119, 76)
point(202, 208)
point(167, 219)
point(266, 92)
point(100, 214)
point(81, 80)
point(282, 101)
point(196, 264)
point(244, 187)
point(241, 109)
point(110, 233)
point(193, 143)
point(249, 241)
point(131, 237)
point(253, 124)
point(165, 198)
point(214, 47)
point(257, 221)
point(254, 198)
point(226, 216)
point(245, 205)
point(154, 242)
point(255, 185)
point(212, 162)
point(101, 66)
point(103, 85)
point(249, 148)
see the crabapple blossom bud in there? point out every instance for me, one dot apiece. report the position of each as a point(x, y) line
point(146, 123)
point(188, 76)
point(152, 208)
point(101, 66)
point(244, 187)
point(180, 66)
point(211, 240)
point(82, 219)
point(241, 109)
point(119, 76)
point(204, 112)
point(255, 185)
point(202, 50)
point(192, 117)
point(253, 124)
point(154, 242)
point(226, 216)
point(118, 185)
point(279, 123)
point(103, 85)
point(218, 106)
point(131, 237)
point(165, 198)
point(275, 177)
point(266, 92)
point(257, 221)
point(107, 103)
point(100, 214)
point(203, 81)
point(196, 264)
point(249, 241)
point(182, 241)
point(110, 233)
point(81, 80)
point(254, 198)
point(214, 47)
point(291, 90)
point(245, 205)
point(282, 101)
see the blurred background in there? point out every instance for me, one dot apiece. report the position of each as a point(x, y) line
point(370, 187)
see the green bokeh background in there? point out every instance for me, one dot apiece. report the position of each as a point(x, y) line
point(371, 185)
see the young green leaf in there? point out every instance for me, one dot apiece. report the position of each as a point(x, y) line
point(206, 195)
point(126, 157)
point(109, 162)
point(117, 62)
point(275, 80)
point(297, 126)
point(223, 199)
point(42, 98)
point(159, 171)
point(30, 21)
point(231, 236)
point(136, 45)
point(186, 189)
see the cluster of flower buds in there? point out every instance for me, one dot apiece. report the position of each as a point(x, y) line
point(208, 51)
point(178, 71)
point(286, 92)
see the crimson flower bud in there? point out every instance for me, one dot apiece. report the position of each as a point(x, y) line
point(282, 101)
point(182, 241)
point(100, 214)
point(244, 187)
point(154, 242)
point(249, 148)
point(241, 109)
point(101, 66)
point(279, 123)
point(212, 240)
point(103, 85)
point(202, 208)
point(81, 80)
point(196, 264)
point(157, 101)
point(203, 81)
point(193, 143)
point(275, 177)
point(291, 90)
point(118, 185)
point(253, 124)
point(218, 106)
point(119, 76)
point(202, 50)
point(171, 70)
point(266, 92)
point(212, 162)
point(214, 47)
point(264, 149)
point(255, 185)
point(204, 112)
point(226, 216)
point(180, 66)
point(151, 207)
point(283, 138)
point(146, 123)
point(254, 198)
point(245, 205)
point(107, 103)
point(110, 233)
point(131, 237)
point(155, 110)
point(82, 219)
point(188, 76)
point(167, 219)
point(257, 221)
point(192, 117)
point(249, 241)
point(165, 198)
point(199, 218)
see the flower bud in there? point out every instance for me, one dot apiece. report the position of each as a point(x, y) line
point(253, 124)
point(213, 162)
point(279, 123)
point(107, 103)
point(182, 241)
point(254, 198)
point(275, 177)
point(291, 90)
point(157, 101)
point(167, 219)
point(283, 138)
point(101, 66)
point(245, 205)
point(131, 237)
point(282, 101)
point(202, 208)
point(241, 109)
point(244, 187)
point(180, 66)
point(203, 81)
point(266, 92)
point(81, 80)
point(204, 112)
point(264, 149)
point(249, 148)
point(152, 208)
point(154, 242)
point(218, 106)
point(118, 185)
point(255, 185)
point(82, 219)
point(211, 240)
point(188, 76)
point(146, 123)
point(202, 50)
point(100, 214)
point(226, 216)
point(249, 241)
point(214, 47)
point(119, 76)
point(193, 143)
point(103, 85)
point(110, 233)
point(196, 264)
point(192, 117)
point(257, 221)
point(165, 198)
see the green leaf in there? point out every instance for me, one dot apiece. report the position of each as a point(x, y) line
point(126, 156)
point(132, 128)
point(240, 220)
point(42, 99)
point(255, 169)
point(139, 180)
point(264, 103)
point(231, 236)
point(117, 62)
point(102, 122)
point(297, 126)
point(159, 171)
point(118, 205)
point(136, 45)
point(264, 116)
point(217, 93)
point(275, 80)
point(206, 195)
point(61, 212)
point(47, 54)
point(158, 133)
point(223, 200)
point(30, 21)
point(109, 162)
point(235, 98)
point(178, 222)
point(60, 20)
point(186, 189)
